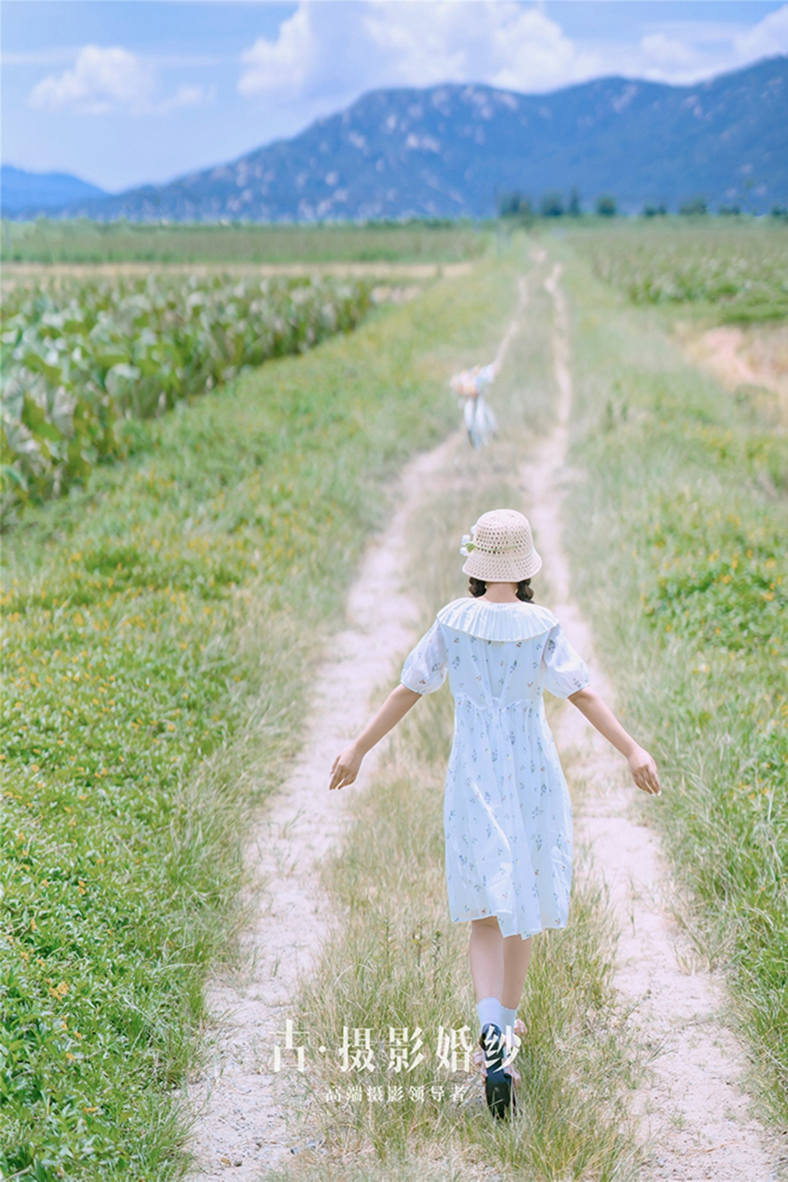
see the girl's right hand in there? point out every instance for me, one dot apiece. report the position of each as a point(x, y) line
point(345, 767)
point(644, 771)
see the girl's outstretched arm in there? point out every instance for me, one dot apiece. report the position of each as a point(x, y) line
point(346, 765)
point(599, 714)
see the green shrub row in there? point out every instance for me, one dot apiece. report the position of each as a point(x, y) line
point(84, 359)
point(82, 241)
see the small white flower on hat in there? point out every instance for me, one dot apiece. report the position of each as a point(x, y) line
point(468, 543)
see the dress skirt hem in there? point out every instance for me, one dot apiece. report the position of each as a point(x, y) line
point(550, 927)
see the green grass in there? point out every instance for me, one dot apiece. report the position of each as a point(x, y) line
point(733, 273)
point(399, 961)
point(84, 241)
point(159, 633)
point(677, 536)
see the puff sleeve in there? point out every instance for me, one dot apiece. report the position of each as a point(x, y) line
point(426, 667)
point(563, 669)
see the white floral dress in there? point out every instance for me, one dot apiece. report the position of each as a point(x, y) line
point(507, 814)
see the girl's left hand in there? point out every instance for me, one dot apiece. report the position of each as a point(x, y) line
point(345, 767)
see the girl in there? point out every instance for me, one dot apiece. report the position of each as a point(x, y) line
point(507, 814)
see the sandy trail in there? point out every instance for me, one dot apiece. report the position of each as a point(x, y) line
point(25, 271)
point(239, 1121)
point(695, 1114)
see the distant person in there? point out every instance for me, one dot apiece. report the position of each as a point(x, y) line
point(507, 812)
point(471, 386)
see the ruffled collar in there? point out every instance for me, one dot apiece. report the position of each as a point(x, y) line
point(497, 621)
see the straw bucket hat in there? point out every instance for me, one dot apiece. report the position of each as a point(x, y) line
point(500, 548)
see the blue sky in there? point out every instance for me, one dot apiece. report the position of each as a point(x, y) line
point(122, 92)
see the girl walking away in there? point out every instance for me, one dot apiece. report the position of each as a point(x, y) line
point(507, 813)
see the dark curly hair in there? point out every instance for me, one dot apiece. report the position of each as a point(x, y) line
point(524, 591)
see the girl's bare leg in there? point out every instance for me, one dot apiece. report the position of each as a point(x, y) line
point(498, 965)
point(487, 958)
point(516, 957)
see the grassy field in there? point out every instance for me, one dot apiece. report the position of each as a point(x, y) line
point(145, 622)
point(677, 532)
point(82, 241)
point(731, 272)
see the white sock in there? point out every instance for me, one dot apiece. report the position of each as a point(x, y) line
point(507, 1018)
point(489, 1010)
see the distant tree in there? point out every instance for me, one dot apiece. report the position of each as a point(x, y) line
point(506, 204)
point(729, 211)
point(514, 206)
point(573, 209)
point(695, 208)
point(780, 211)
point(606, 206)
point(551, 205)
point(654, 211)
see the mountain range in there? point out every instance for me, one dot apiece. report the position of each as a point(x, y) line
point(447, 150)
point(20, 190)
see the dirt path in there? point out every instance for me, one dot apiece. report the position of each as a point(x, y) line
point(382, 270)
point(694, 1113)
point(239, 1122)
point(238, 1118)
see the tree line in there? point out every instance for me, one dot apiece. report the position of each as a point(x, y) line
point(515, 206)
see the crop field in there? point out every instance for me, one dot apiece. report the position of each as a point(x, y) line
point(84, 362)
point(194, 467)
point(734, 273)
point(93, 242)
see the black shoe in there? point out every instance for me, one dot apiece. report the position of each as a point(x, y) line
point(498, 1084)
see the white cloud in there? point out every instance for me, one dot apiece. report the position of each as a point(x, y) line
point(496, 41)
point(103, 79)
point(338, 50)
point(285, 62)
point(667, 56)
point(686, 52)
point(767, 38)
point(328, 53)
point(187, 95)
point(110, 78)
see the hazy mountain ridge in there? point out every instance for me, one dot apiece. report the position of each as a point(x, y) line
point(445, 150)
point(20, 190)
